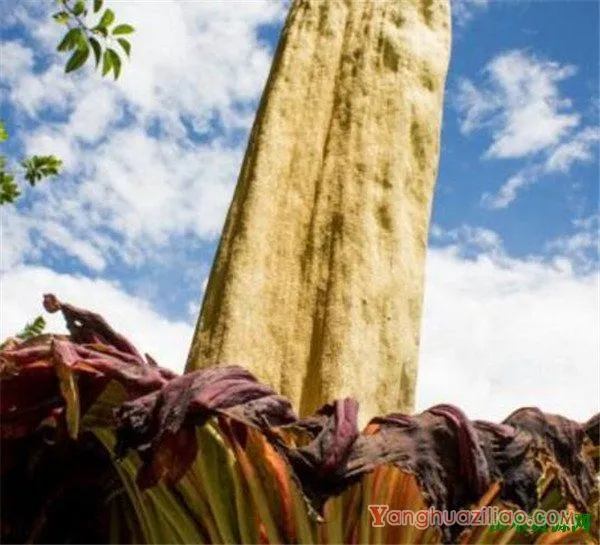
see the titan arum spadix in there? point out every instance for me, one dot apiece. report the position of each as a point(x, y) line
point(317, 284)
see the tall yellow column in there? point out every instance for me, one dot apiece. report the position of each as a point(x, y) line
point(317, 285)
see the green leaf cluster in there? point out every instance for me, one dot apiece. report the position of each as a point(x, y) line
point(9, 190)
point(37, 167)
point(105, 40)
point(32, 329)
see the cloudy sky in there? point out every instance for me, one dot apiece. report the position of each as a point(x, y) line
point(130, 228)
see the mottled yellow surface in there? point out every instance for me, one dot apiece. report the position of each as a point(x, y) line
point(317, 285)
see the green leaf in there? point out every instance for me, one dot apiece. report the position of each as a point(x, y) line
point(107, 19)
point(106, 63)
point(115, 62)
point(100, 31)
point(41, 166)
point(97, 49)
point(125, 45)
point(82, 41)
point(61, 17)
point(78, 58)
point(98, 5)
point(70, 40)
point(3, 133)
point(79, 7)
point(9, 191)
point(123, 29)
point(33, 329)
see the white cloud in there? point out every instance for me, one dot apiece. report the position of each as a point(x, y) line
point(16, 58)
point(147, 189)
point(15, 237)
point(509, 191)
point(57, 234)
point(176, 68)
point(498, 333)
point(467, 237)
point(579, 148)
point(475, 106)
point(194, 307)
point(463, 11)
point(23, 287)
point(522, 108)
point(521, 102)
point(502, 333)
point(93, 116)
point(581, 247)
point(133, 178)
point(49, 140)
point(30, 91)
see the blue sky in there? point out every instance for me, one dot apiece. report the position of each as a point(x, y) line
point(561, 32)
point(130, 229)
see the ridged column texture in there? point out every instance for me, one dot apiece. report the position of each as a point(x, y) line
point(317, 284)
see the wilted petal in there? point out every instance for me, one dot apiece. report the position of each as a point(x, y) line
point(192, 398)
point(89, 327)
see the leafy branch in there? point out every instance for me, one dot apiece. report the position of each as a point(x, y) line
point(32, 329)
point(36, 168)
point(100, 39)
